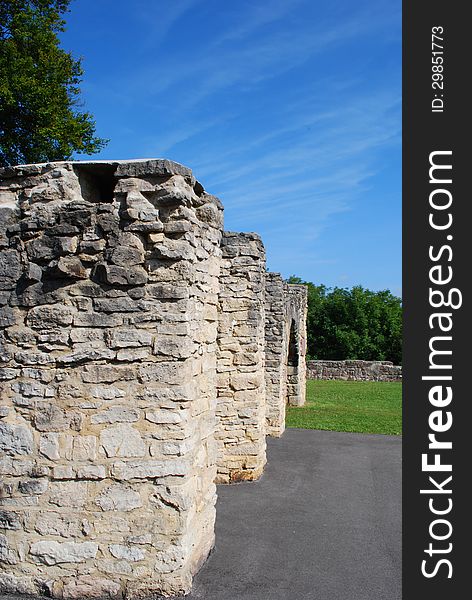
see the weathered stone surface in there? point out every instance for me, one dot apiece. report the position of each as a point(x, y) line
point(9, 520)
point(164, 416)
point(7, 555)
point(119, 497)
point(122, 440)
point(68, 267)
point(69, 494)
point(129, 338)
point(15, 439)
point(87, 586)
point(128, 553)
point(116, 414)
point(84, 447)
point(241, 431)
point(53, 553)
point(91, 472)
point(124, 324)
point(49, 417)
point(106, 374)
point(52, 523)
point(49, 445)
point(113, 305)
point(148, 469)
point(62, 472)
point(10, 269)
point(33, 487)
point(168, 291)
point(115, 275)
point(17, 585)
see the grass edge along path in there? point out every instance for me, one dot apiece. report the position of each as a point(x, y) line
point(355, 406)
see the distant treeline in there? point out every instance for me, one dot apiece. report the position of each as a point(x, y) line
point(353, 323)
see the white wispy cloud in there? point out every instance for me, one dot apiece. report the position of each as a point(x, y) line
point(253, 100)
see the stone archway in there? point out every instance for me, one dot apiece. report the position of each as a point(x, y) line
point(295, 370)
point(285, 349)
point(292, 363)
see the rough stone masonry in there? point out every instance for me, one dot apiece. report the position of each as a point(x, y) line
point(144, 355)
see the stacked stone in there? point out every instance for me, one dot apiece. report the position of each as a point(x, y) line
point(108, 315)
point(241, 430)
point(275, 353)
point(297, 308)
point(354, 370)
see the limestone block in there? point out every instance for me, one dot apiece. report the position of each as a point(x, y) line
point(128, 338)
point(106, 374)
point(11, 584)
point(91, 472)
point(165, 416)
point(49, 445)
point(118, 497)
point(63, 472)
point(148, 469)
point(63, 525)
point(116, 414)
point(84, 447)
point(122, 440)
point(87, 586)
point(33, 487)
point(7, 554)
point(15, 439)
point(128, 553)
point(49, 417)
point(9, 520)
point(69, 494)
point(53, 553)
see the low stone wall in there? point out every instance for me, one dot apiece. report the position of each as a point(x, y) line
point(354, 370)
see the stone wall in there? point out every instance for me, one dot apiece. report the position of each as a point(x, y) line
point(109, 289)
point(241, 385)
point(296, 339)
point(355, 370)
point(276, 353)
point(144, 355)
point(285, 349)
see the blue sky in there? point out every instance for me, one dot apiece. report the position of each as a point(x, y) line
point(288, 110)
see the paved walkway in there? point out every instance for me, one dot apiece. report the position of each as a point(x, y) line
point(323, 523)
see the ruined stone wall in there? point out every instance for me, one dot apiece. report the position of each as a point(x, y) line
point(275, 353)
point(297, 306)
point(241, 430)
point(143, 356)
point(108, 315)
point(285, 349)
point(354, 370)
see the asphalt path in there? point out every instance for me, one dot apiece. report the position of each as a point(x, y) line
point(323, 523)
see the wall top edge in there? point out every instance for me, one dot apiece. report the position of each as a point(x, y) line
point(123, 168)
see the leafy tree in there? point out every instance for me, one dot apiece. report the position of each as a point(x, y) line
point(353, 323)
point(39, 87)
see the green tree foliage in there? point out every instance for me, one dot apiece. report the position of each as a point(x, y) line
point(353, 323)
point(39, 87)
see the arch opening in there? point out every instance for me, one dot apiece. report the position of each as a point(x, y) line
point(292, 363)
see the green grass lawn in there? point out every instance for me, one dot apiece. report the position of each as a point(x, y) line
point(361, 406)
